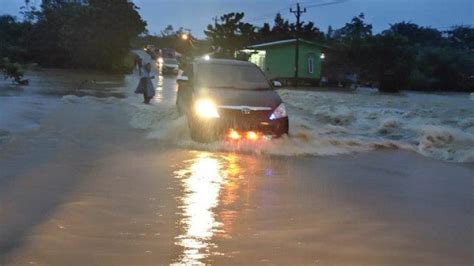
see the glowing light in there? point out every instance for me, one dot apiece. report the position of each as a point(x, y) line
point(206, 108)
point(205, 183)
point(207, 57)
point(184, 37)
point(160, 60)
point(202, 182)
point(252, 135)
point(323, 56)
point(234, 135)
point(279, 112)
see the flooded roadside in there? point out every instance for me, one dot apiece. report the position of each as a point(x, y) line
point(109, 180)
point(322, 123)
point(22, 108)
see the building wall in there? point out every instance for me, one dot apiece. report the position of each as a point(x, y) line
point(280, 61)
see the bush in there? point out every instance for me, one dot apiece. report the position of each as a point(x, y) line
point(127, 65)
point(393, 59)
point(443, 68)
point(14, 71)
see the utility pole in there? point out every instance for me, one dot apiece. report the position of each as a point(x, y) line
point(297, 13)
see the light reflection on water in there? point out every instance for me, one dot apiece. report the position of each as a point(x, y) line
point(165, 89)
point(208, 181)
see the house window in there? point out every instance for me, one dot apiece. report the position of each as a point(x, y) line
point(311, 65)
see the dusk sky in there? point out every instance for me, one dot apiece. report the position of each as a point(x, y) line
point(197, 14)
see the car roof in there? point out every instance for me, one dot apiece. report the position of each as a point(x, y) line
point(216, 61)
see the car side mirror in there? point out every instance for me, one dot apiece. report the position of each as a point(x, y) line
point(276, 83)
point(182, 79)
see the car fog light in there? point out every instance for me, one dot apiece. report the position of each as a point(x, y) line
point(252, 135)
point(234, 135)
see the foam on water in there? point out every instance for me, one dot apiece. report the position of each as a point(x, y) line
point(446, 143)
point(23, 113)
point(324, 122)
point(331, 123)
point(67, 99)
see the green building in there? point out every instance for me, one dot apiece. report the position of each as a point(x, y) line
point(277, 59)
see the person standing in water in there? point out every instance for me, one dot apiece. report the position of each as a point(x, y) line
point(145, 86)
point(138, 64)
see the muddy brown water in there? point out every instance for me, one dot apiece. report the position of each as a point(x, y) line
point(83, 187)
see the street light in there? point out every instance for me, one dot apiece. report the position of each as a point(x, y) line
point(184, 37)
point(323, 56)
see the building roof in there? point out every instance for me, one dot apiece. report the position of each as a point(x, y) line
point(221, 61)
point(283, 42)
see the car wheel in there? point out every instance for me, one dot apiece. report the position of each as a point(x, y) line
point(199, 131)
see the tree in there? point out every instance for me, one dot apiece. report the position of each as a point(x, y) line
point(310, 32)
point(391, 60)
point(416, 34)
point(461, 37)
point(230, 35)
point(356, 30)
point(168, 31)
point(264, 34)
point(85, 34)
point(12, 42)
point(443, 68)
point(351, 50)
point(281, 29)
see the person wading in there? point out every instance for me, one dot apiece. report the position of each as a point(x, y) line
point(138, 64)
point(145, 86)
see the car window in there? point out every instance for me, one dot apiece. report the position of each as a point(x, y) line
point(171, 61)
point(231, 76)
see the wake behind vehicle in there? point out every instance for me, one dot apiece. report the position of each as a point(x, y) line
point(230, 99)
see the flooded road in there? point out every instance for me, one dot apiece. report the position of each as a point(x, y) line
point(103, 179)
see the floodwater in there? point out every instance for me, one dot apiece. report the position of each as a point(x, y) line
point(91, 176)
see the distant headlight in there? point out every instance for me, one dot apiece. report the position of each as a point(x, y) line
point(279, 112)
point(206, 108)
point(160, 60)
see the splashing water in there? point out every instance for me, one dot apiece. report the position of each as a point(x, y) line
point(323, 123)
point(331, 123)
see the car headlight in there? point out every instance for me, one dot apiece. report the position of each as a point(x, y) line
point(206, 108)
point(279, 112)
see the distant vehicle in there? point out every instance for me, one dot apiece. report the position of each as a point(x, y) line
point(150, 47)
point(230, 99)
point(151, 51)
point(170, 66)
point(168, 53)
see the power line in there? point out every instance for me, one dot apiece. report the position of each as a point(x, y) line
point(269, 15)
point(334, 2)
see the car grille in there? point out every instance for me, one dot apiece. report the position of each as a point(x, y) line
point(249, 120)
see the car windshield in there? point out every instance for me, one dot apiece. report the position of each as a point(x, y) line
point(231, 76)
point(171, 61)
